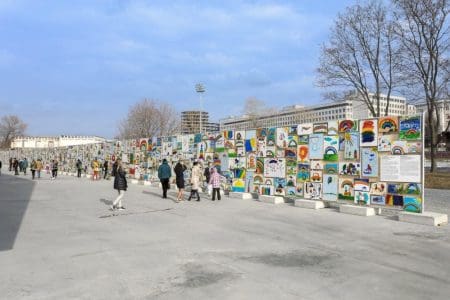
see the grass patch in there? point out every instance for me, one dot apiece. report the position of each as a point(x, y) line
point(437, 180)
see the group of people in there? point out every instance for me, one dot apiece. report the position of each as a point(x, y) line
point(36, 166)
point(212, 177)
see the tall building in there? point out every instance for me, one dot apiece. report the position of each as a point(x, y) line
point(54, 142)
point(397, 106)
point(443, 107)
point(190, 122)
point(291, 115)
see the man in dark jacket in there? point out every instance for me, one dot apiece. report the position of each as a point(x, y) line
point(164, 174)
point(105, 168)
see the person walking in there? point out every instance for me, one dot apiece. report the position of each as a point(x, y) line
point(179, 179)
point(207, 174)
point(79, 166)
point(121, 185)
point(0, 168)
point(105, 168)
point(33, 167)
point(39, 167)
point(10, 164)
point(215, 182)
point(20, 165)
point(54, 166)
point(196, 173)
point(164, 174)
point(114, 169)
point(16, 166)
point(24, 166)
point(96, 167)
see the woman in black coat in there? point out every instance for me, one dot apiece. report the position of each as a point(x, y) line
point(120, 184)
point(179, 173)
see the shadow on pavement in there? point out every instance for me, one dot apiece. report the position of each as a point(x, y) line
point(107, 202)
point(15, 193)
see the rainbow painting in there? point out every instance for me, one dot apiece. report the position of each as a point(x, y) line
point(347, 126)
point(368, 132)
point(410, 128)
point(387, 124)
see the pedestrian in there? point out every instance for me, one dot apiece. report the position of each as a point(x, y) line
point(16, 166)
point(215, 182)
point(114, 169)
point(33, 168)
point(54, 166)
point(79, 166)
point(164, 174)
point(0, 168)
point(10, 164)
point(24, 166)
point(96, 167)
point(195, 181)
point(105, 168)
point(20, 165)
point(179, 179)
point(39, 167)
point(120, 184)
point(207, 173)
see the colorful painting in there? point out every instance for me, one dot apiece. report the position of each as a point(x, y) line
point(303, 173)
point(378, 188)
point(316, 165)
point(369, 162)
point(320, 128)
point(292, 141)
point(271, 137)
point(398, 148)
point(348, 126)
point(350, 168)
point(413, 147)
point(316, 146)
point(299, 190)
point(410, 128)
point(377, 200)
point(259, 165)
point(361, 184)
point(303, 139)
point(412, 204)
point(330, 187)
point(316, 176)
point(261, 147)
point(251, 161)
point(290, 153)
point(270, 151)
point(274, 167)
point(387, 124)
point(312, 190)
point(362, 198)
point(394, 200)
point(304, 129)
point(333, 128)
point(330, 148)
point(346, 191)
point(250, 145)
point(331, 168)
point(369, 132)
point(303, 153)
point(291, 191)
point(385, 142)
point(280, 186)
point(266, 190)
point(282, 137)
point(291, 166)
point(238, 185)
point(351, 145)
point(258, 179)
point(412, 188)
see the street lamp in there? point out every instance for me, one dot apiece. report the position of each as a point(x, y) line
point(199, 88)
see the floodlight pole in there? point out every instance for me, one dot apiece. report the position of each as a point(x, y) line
point(199, 88)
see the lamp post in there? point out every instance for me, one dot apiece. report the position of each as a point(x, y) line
point(199, 88)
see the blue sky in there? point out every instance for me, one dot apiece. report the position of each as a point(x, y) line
point(74, 67)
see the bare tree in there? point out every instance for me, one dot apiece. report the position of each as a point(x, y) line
point(149, 118)
point(423, 29)
point(361, 55)
point(11, 126)
point(255, 109)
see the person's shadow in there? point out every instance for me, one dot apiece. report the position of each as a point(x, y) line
point(107, 202)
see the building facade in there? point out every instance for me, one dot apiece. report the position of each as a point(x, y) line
point(190, 122)
point(291, 115)
point(54, 142)
point(397, 106)
point(443, 107)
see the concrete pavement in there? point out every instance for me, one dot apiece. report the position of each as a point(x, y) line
point(59, 240)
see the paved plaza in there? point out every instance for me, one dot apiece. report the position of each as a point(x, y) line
point(59, 240)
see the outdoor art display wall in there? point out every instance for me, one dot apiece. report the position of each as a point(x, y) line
point(376, 161)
